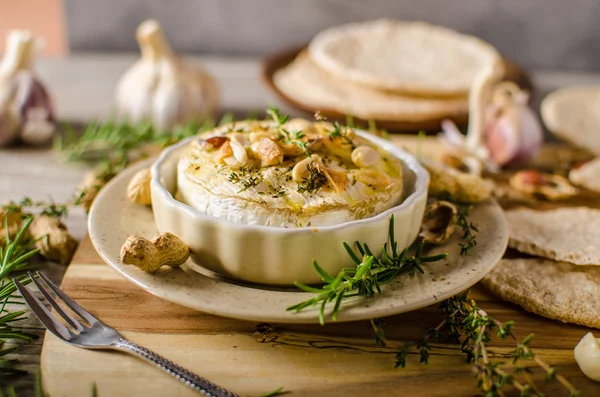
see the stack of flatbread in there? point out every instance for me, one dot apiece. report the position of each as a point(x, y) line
point(387, 70)
point(563, 281)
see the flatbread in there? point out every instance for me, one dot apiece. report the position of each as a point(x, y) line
point(565, 234)
point(556, 290)
point(313, 87)
point(587, 176)
point(573, 114)
point(407, 57)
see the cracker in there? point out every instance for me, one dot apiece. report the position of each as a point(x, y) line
point(565, 234)
point(411, 57)
point(587, 176)
point(557, 290)
point(573, 114)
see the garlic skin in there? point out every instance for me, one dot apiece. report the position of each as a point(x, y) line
point(587, 355)
point(503, 129)
point(26, 110)
point(161, 88)
point(513, 133)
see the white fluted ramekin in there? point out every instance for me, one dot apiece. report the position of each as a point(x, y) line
point(273, 255)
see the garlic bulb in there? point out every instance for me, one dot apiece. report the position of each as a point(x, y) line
point(161, 88)
point(502, 127)
point(25, 107)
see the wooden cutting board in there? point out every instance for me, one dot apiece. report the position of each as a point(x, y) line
point(248, 359)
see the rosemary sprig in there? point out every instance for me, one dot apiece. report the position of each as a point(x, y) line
point(366, 278)
point(473, 328)
point(315, 180)
point(15, 254)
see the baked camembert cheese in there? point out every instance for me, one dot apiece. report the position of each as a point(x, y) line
point(292, 173)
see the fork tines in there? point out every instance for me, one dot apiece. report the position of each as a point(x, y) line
point(51, 322)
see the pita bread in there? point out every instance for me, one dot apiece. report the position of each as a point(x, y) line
point(573, 114)
point(564, 234)
point(587, 176)
point(556, 290)
point(407, 57)
point(313, 87)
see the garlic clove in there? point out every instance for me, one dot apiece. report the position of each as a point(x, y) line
point(365, 156)
point(161, 88)
point(25, 106)
point(587, 355)
point(301, 170)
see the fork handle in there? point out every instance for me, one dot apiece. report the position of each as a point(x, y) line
point(194, 381)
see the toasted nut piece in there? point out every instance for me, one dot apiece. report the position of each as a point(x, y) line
point(257, 136)
point(372, 178)
point(439, 222)
point(466, 188)
point(53, 239)
point(151, 255)
point(268, 152)
point(291, 150)
point(212, 143)
point(237, 157)
point(225, 150)
point(300, 171)
point(339, 147)
point(298, 124)
point(138, 190)
point(337, 179)
point(365, 156)
point(551, 187)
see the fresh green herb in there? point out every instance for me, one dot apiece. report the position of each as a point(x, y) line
point(315, 180)
point(340, 132)
point(366, 278)
point(279, 119)
point(288, 137)
point(46, 208)
point(473, 328)
point(277, 392)
point(15, 254)
point(349, 120)
point(247, 177)
point(296, 138)
point(468, 228)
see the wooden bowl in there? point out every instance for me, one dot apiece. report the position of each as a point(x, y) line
point(282, 58)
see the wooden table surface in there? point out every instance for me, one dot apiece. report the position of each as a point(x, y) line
point(83, 89)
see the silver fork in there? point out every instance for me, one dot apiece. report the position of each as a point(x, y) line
point(94, 334)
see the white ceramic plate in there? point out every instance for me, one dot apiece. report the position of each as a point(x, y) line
point(113, 218)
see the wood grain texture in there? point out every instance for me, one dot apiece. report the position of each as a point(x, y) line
point(334, 360)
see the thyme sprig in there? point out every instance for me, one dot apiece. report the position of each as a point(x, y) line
point(474, 329)
point(469, 230)
point(341, 133)
point(246, 177)
point(49, 208)
point(287, 136)
point(367, 277)
point(314, 181)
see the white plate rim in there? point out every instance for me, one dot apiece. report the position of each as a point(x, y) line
point(361, 309)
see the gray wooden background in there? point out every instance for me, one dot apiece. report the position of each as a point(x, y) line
point(556, 34)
